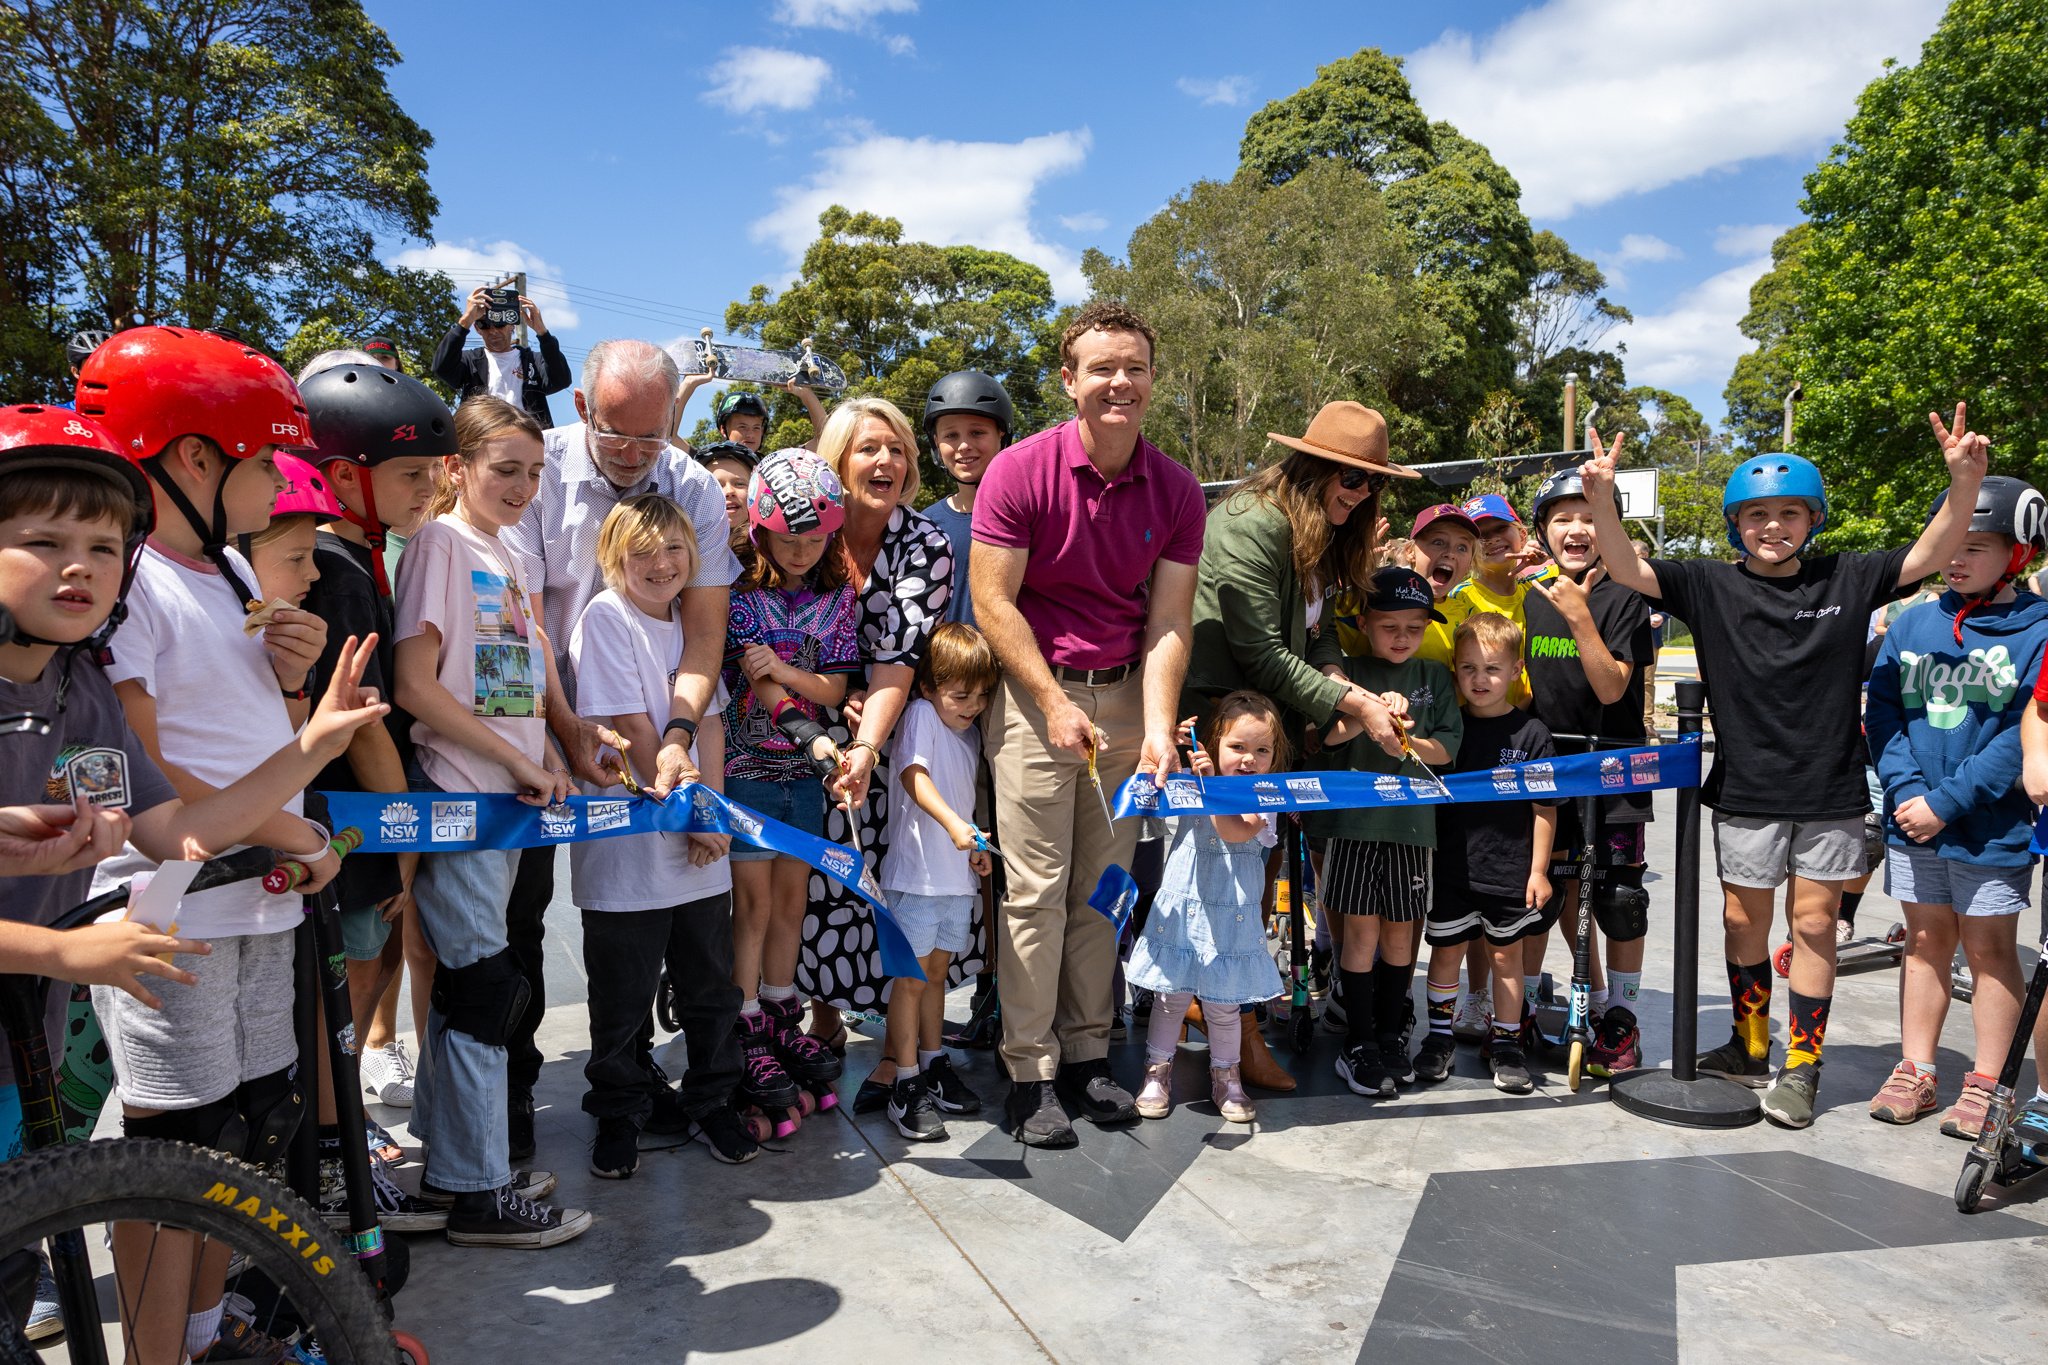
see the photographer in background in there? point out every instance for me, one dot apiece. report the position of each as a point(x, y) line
point(514, 373)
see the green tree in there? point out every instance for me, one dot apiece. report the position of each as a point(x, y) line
point(1926, 277)
point(204, 162)
point(1667, 433)
point(415, 308)
point(1269, 302)
point(1756, 389)
point(1473, 245)
point(897, 315)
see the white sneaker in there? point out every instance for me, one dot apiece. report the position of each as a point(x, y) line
point(1473, 1023)
point(387, 1075)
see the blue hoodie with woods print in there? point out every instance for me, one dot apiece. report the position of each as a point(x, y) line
point(1943, 721)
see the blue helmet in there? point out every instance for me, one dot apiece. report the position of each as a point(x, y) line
point(1775, 476)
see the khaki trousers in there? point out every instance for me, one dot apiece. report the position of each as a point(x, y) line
point(1056, 956)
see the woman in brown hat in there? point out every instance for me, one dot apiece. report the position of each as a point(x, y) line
point(1278, 546)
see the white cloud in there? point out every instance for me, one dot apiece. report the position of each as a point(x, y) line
point(1083, 222)
point(1230, 90)
point(1643, 246)
point(1694, 342)
point(899, 45)
point(1671, 92)
point(941, 191)
point(1753, 239)
point(749, 78)
point(847, 16)
point(470, 264)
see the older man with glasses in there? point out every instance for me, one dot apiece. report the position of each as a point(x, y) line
point(619, 449)
point(518, 374)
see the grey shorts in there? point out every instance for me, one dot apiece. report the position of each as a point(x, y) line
point(233, 1026)
point(1763, 853)
point(1924, 877)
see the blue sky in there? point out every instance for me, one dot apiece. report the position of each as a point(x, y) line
point(657, 159)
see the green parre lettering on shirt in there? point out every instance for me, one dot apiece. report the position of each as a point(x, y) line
point(1553, 647)
point(1944, 689)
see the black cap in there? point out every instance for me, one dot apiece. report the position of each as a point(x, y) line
point(378, 345)
point(725, 450)
point(1397, 589)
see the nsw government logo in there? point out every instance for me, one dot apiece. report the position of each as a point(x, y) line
point(454, 822)
point(1307, 791)
point(399, 821)
point(604, 815)
point(558, 821)
point(1611, 772)
point(1268, 793)
point(1393, 788)
point(1506, 781)
point(838, 862)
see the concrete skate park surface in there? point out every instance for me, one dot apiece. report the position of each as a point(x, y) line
point(1453, 1223)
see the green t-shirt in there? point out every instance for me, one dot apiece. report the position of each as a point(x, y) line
point(1432, 714)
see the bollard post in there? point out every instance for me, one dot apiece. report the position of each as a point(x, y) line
point(1681, 1095)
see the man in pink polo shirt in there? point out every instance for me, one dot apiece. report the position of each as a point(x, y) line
point(1083, 569)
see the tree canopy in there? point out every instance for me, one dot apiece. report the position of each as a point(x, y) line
point(1925, 279)
point(1756, 390)
point(228, 166)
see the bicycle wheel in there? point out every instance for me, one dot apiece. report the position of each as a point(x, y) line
point(284, 1255)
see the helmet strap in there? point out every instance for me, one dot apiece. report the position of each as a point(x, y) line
point(373, 530)
point(2021, 556)
point(213, 533)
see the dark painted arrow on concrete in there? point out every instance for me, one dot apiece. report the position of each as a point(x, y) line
point(1553, 1264)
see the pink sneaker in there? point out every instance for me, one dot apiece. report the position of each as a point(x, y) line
point(1227, 1090)
point(1155, 1098)
point(1908, 1094)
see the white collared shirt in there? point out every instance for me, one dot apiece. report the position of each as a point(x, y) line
point(561, 525)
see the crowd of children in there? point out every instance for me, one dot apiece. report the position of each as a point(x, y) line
point(247, 580)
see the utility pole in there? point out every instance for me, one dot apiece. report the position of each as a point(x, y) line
point(1571, 410)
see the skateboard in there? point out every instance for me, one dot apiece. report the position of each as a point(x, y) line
point(1856, 955)
point(751, 365)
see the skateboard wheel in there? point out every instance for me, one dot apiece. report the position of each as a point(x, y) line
point(1781, 961)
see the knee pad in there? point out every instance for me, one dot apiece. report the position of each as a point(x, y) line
point(1620, 905)
point(484, 999)
point(271, 1107)
point(207, 1126)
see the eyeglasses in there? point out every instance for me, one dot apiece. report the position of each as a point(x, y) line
point(612, 443)
point(1373, 481)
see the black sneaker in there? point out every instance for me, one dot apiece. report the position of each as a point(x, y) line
point(872, 1097)
point(500, 1218)
point(1733, 1061)
point(1359, 1067)
point(668, 1117)
point(616, 1154)
point(1036, 1118)
point(1510, 1067)
point(519, 1125)
point(1434, 1058)
point(1089, 1087)
point(721, 1130)
point(397, 1211)
point(525, 1184)
point(1394, 1057)
point(949, 1092)
point(912, 1111)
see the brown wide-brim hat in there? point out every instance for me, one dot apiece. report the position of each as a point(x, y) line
point(1347, 433)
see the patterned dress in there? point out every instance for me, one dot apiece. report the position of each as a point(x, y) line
point(902, 602)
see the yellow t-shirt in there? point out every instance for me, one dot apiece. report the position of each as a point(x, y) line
point(1468, 597)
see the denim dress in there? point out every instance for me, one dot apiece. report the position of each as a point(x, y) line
point(1204, 933)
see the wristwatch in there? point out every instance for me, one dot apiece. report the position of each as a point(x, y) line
point(683, 723)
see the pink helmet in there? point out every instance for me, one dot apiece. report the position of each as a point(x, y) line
point(795, 493)
point(306, 493)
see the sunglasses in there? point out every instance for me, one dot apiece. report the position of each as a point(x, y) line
point(1352, 478)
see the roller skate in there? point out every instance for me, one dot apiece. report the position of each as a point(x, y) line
point(806, 1060)
point(768, 1100)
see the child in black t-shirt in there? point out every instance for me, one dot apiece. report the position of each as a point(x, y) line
point(1493, 869)
point(1780, 640)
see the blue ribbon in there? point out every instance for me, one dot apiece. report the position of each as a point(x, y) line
point(1115, 897)
point(458, 822)
point(1607, 772)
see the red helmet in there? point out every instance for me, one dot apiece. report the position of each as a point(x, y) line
point(306, 493)
point(36, 437)
point(151, 385)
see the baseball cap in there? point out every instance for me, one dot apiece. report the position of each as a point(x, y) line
point(1429, 516)
point(1490, 507)
point(1397, 589)
point(378, 346)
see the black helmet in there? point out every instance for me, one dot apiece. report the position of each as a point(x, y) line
point(731, 405)
point(2008, 507)
point(1565, 483)
point(725, 450)
point(366, 414)
point(83, 343)
point(969, 391)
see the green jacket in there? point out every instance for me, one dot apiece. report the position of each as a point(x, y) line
point(1251, 622)
point(1432, 714)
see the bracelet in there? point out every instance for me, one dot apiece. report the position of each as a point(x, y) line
point(845, 749)
point(305, 691)
point(325, 837)
point(775, 711)
point(683, 723)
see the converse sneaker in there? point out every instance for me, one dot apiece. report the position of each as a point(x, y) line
point(525, 1184)
point(949, 1092)
point(1907, 1094)
point(45, 1317)
point(912, 1111)
point(241, 1339)
point(616, 1153)
point(396, 1210)
point(387, 1075)
point(500, 1218)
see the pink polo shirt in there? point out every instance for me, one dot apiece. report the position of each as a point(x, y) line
point(1091, 544)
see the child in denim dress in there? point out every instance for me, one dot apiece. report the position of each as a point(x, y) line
point(1204, 937)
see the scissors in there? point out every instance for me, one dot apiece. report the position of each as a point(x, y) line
point(1096, 739)
point(983, 844)
point(1408, 752)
